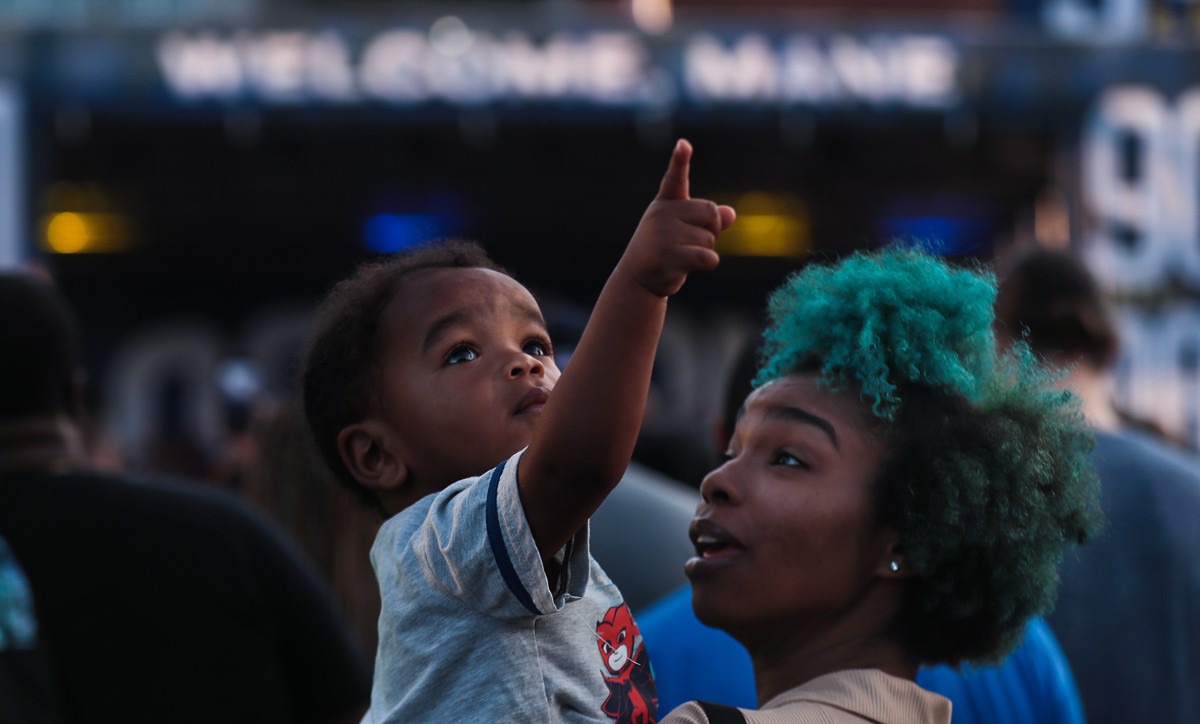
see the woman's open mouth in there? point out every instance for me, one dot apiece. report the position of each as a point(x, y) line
point(715, 547)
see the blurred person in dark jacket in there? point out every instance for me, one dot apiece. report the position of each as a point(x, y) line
point(155, 603)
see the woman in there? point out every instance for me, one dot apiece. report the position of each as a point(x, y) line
point(895, 494)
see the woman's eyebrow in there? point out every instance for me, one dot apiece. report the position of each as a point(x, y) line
point(795, 414)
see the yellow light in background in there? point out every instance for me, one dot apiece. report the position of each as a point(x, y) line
point(66, 233)
point(84, 218)
point(71, 232)
point(768, 224)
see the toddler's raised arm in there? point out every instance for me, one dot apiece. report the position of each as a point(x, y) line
point(586, 436)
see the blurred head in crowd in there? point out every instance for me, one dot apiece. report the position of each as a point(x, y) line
point(1049, 299)
point(40, 369)
point(906, 491)
point(41, 380)
point(401, 385)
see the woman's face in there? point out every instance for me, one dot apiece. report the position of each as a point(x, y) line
point(786, 534)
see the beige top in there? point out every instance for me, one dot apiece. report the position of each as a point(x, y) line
point(843, 697)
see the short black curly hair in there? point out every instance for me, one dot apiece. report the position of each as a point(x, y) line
point(987, 477)
point(340, 373)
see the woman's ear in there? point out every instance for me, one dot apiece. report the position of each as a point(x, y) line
point(368, 453)
point(894, 563)
point(896, 567)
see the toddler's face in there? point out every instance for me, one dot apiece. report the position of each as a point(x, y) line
point(786, 536)
point(465, 370)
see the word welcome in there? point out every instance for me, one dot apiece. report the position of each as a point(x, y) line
point(406, 66)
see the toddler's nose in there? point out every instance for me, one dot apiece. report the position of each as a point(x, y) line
point(527, 364)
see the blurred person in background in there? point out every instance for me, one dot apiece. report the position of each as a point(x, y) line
point(1128, 615)
point(1033, 685)
point(155, 603)
point(286, 477)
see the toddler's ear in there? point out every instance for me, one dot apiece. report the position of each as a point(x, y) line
point(366, 452)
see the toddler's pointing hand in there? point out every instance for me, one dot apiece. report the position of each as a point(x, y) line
point(677, 234)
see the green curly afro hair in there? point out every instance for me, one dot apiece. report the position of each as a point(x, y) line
point(987, 478)
point(879, 320)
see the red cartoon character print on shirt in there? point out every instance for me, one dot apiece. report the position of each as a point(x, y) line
point(632, 696)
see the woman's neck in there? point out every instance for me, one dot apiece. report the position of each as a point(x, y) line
point(1095, 392)
point(789, 652)
point(49, 443)
point(785, 665)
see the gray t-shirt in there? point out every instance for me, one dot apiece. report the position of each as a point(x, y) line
point(470, 630)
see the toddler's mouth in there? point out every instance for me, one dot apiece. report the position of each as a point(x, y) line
point(532, 401)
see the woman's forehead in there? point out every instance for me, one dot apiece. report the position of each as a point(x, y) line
point(840, 408)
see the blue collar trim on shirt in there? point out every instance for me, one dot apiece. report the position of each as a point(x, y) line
point(499, 551)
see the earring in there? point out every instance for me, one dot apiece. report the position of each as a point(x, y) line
point(895, 566)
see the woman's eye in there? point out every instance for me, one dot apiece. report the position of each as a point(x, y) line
point(537, 348)
point(789, 460)
point(459, 354)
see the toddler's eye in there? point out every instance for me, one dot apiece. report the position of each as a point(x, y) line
point(537, 348)
point(461, 353)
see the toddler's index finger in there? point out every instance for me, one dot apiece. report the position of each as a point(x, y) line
point(675, 182)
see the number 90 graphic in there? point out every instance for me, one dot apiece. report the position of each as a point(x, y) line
point(1141, 188)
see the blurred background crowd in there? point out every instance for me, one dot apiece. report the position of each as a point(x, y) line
point(194, 174)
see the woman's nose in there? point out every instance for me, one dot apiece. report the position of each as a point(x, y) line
point(718, 485)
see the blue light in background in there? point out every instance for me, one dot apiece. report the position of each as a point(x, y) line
point(946, 235)
point(391, 233)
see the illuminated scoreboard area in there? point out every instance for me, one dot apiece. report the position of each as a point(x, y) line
point(314, 140)
point(225, 169)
